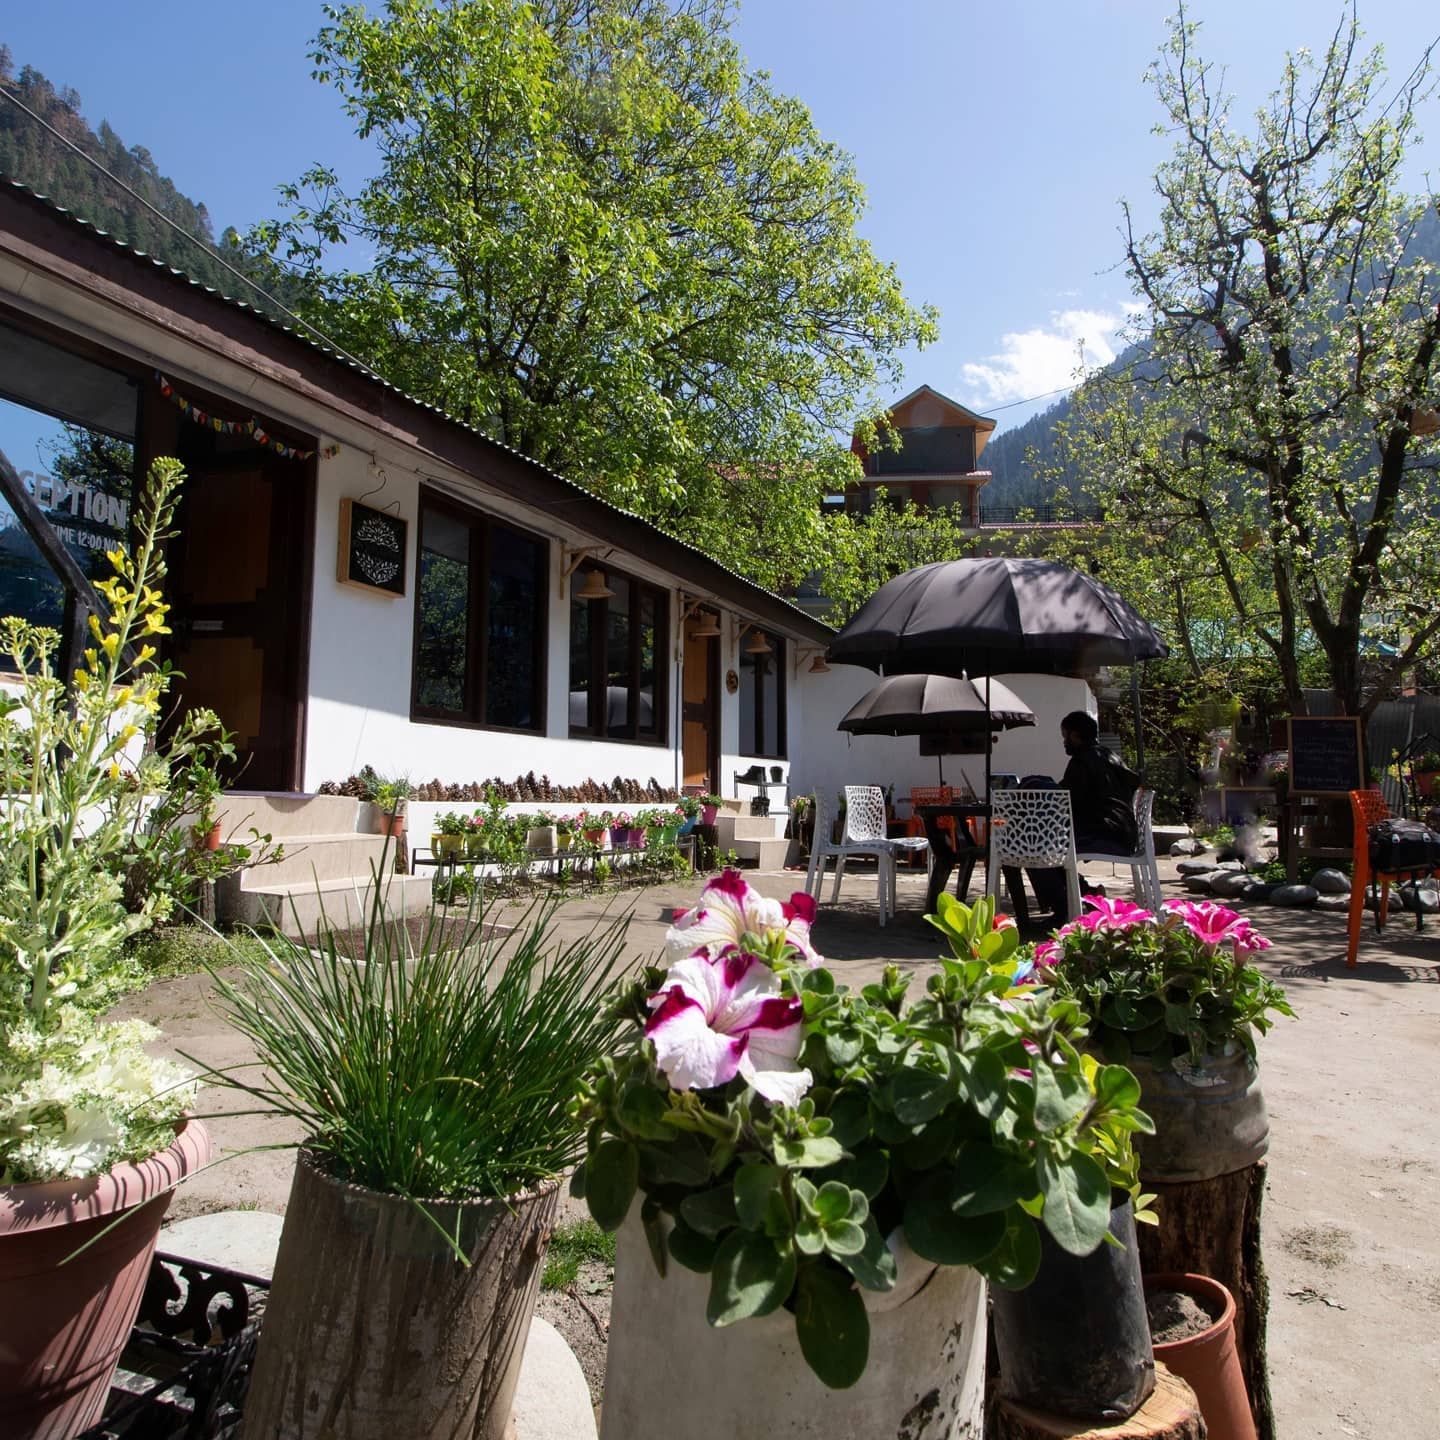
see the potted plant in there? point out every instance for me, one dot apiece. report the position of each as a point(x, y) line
point(837, 1171)
point(620, 830)
point(1427, 773)
point(449, 836)
point(1170, 995)
point(565, 831)
point(539, 834)
point(389, 797)
point(595, 828)
point(689, 808)
point(709, 808)
point(423, 1196)
point(1193, 1321)
point(93, 1134)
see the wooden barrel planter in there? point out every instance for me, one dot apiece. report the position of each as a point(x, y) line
point(669, 1373)
point(374, 1329)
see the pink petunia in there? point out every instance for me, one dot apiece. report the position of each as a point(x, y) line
point(1215, 924)
point(1047, 952)
point(1106, 914)
point(732, 913)
point(715, 1019)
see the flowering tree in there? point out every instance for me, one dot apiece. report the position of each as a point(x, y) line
point(1269, 434)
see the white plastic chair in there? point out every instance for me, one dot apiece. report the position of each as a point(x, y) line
point(864, 834)
point(1145, 873)
point(1033, 828)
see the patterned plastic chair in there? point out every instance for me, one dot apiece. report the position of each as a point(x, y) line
point(1033, 828)
point(1143, 869)
point(864, 834)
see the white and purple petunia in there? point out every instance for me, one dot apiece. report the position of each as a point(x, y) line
point(731, 913)
point(717, 1018)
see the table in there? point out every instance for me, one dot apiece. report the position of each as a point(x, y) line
point(944, 856)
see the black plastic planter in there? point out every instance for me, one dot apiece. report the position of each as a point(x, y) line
point(1077, 1341)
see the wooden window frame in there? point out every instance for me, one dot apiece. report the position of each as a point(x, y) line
point(780, 674)
point(599, 639)
point(481, 526)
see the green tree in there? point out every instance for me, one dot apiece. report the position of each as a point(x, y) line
point(598, 238)
point(1261, 455)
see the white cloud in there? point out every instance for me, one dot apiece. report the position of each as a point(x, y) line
point(1033, 362)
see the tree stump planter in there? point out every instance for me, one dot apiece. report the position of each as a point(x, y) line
point(1171, 1413)
point(1077, 1342)
point(375, 1331)
point(63, 1325)
point(670, 1374)
point(1212, 1227)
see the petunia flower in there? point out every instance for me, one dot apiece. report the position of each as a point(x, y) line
point(1106, 914)
point(717, 1018)
point(732, 913)
point(1047, 952)
point(1215, 924)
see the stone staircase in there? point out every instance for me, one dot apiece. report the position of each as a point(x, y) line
point(757, 840)
point(328, 870)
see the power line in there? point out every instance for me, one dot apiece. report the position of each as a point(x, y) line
point(185, 234)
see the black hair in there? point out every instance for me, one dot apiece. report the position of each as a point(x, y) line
point(1083, 724)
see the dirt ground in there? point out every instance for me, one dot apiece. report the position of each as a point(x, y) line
point(1352, 1247)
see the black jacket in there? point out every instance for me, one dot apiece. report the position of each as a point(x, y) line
point(1102, 793)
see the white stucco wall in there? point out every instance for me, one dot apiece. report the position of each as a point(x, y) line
point(830, 760)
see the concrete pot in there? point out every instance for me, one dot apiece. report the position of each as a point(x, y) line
point(375, 1331)
point(669, 1373)
point(1210, 1118)
point(63, 1325)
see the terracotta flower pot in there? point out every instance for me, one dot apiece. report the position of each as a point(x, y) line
point(375, 1325)
point(207, 839)
point(63, 1326)
point(392, 825)
point(1209, 1362)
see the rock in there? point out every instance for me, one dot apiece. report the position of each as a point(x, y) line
point(1331, 882)
point(1424, 898)
point(552, 1400)
point(1189, 847)
point(1257, 892)
point(1200, 884)
point(1195, 867)
point(1230, 884)
point(244, 1240)
point(1333, 902)
point(1294, 895)
point(1372, 899)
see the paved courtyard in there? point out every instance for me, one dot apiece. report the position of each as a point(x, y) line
point(1351, 1244)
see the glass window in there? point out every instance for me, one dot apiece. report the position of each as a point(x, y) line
point(67, 425)
point(617, 648)
point(442, 650)
point(480, 621)
point(515, 621)
point(762, 698)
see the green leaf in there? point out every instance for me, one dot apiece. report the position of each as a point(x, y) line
point(872, 1265)
point(811, 1153)
point(865, 1171)
point(833, 1203)
point(754, 1184)
point(750, 1277)
point(1059, 1096)
point(987, 1180)
point(612, 1171)
point(844, 1237)
point(831, 1325)
point(920, 1095)
point(843, 1047)
point(988, 1081)
point(935, 1232)
point(692, 1249)
point(1077, 1200)
point(642, 1112)
point(850, 1118)
point(1116, 1087)
point(681, 1161)
point(650, 1219)
point(710, 1211)
point(1015, 1262)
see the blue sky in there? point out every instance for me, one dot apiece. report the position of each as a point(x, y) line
point(995, 140)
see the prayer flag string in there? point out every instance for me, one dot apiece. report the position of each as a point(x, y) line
point(251, 427)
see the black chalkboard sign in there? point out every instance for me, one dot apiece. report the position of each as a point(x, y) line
point(372, 548)
point(1326, 757)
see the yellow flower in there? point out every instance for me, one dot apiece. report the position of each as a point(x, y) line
point(110, 644)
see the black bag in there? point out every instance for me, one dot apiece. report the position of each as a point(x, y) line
point(1397, 846)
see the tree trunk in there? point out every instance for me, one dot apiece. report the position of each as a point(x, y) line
point(1212, 1227)
point(1171, 1413)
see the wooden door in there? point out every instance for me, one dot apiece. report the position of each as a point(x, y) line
point(240, 581)
point(700, 709)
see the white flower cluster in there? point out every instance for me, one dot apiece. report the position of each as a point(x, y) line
point(85, 1097)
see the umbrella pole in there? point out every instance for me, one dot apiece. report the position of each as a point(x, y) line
point(989, 738)
point(1139, 727)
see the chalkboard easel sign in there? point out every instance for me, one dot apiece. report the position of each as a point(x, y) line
point(1326, 755)
point(372, 549)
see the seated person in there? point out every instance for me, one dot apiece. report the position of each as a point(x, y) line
point(1102, 795)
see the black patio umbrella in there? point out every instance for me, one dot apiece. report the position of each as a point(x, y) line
point(937, 705)
point(992, 616)
point(996, 615)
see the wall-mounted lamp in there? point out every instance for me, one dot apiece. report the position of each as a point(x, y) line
point(818, 666)
point(708, 628)
point(759, 645)
point(593, 586)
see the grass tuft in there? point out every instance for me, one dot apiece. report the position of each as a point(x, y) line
point(571, 1246)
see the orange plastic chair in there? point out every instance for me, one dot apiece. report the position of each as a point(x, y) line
point(932, 795)
point(1366, 807)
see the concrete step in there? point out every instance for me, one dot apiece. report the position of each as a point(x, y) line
point(763, 854)
point(281, 815)
point(309, 858)
point(344, 904)
point(734, 828)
